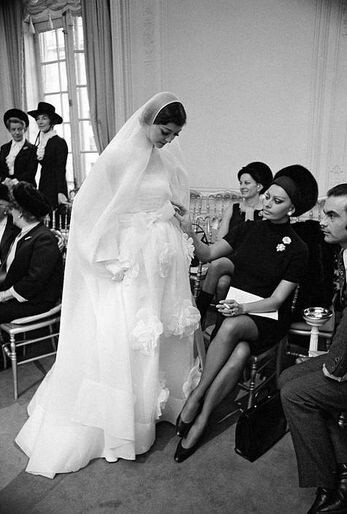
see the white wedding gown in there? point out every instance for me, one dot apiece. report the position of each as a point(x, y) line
point(125, 357)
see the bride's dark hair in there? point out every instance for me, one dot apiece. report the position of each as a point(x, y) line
point(171, 113)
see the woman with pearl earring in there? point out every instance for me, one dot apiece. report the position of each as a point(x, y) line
point(254, 180)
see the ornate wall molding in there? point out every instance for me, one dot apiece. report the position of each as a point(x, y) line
point(328, 109)
point(344, 20)
point(122, 60)
point(152, 46)
point(139, 35)
point(336, 175)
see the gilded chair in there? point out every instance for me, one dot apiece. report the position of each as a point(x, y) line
point(24, 332)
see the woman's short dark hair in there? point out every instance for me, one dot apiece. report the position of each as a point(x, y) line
point(26, 214)
point(339, 190)
point(14, 120)
point(171, 113)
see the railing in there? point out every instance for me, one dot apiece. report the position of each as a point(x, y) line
point(59, 221)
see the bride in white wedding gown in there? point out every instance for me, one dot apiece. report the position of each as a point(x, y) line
point(125, 356)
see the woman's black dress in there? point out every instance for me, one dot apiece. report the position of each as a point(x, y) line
point(53, 170)
point(263, 254)
point(238, 216)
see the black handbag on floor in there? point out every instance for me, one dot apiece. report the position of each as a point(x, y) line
point(260, 427)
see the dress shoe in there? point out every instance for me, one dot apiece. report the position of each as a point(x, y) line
point(323, 496)
point(337, 505)
point(182, 453)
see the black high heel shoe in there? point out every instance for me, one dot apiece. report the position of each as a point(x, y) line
point(182, 453)
point(183, 428)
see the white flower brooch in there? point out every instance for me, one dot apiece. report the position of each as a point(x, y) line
point(281, 246)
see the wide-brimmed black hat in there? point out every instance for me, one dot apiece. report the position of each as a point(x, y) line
point(30, 199)
point(260, 172)
point(16, 113)
point(49, 109)
point(300, 185)
point(4, 193)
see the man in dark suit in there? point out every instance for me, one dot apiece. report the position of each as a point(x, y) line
point(315, 392)
point(18, 157)
point(31, 275)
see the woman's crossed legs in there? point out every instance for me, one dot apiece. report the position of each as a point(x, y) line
point(226, 358)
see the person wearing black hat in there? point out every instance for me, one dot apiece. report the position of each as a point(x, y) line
point(18, 157)
point(51, 154)
point(31, 275)
point(269, 262)
point(254, 179)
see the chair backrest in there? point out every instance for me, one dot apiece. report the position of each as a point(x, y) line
point(37, 317)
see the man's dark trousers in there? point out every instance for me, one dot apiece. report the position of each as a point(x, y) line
point(312, 403)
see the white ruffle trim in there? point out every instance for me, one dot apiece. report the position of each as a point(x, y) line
point(145, 335)
point(188, 246)
point(148, 328)
point(163, 396)
point(184, 322)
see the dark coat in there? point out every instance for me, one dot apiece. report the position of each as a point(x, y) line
point(8, 237)
point(336, 359)
point(25, 164)
point(53, 179)
point(317, 287)
point(36, 272)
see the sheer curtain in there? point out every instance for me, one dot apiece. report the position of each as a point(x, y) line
point(99, 69)
point(11, 53)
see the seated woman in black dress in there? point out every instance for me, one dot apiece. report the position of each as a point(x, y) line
point(269, 261)
point(254, 179)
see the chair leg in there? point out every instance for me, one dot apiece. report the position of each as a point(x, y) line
point(53, 343)
point(252, 384)
point(281, 351)
point(13, 357)
point(4, 356)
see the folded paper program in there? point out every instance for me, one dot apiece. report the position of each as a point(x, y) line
point(244, 297)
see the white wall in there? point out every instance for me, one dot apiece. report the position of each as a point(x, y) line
point(260, 79)
point(243, 71)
